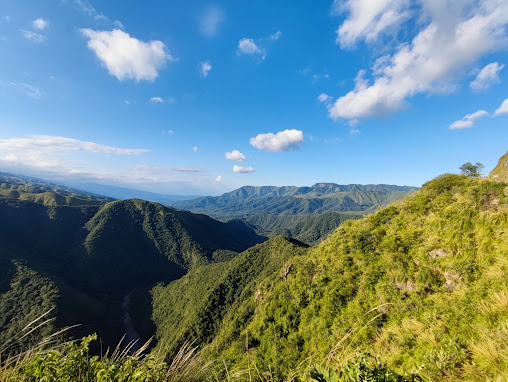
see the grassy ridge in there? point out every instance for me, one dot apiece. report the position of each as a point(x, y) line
point(422, 283)
point(194, 306)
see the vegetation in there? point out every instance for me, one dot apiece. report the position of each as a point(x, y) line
point(286, 201)
point(83, 259)
point(422, 285)
point(48, 194)
point(309, 229)
point(415, 292)
point(472, 170)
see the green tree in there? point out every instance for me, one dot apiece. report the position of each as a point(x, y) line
point(472, 170)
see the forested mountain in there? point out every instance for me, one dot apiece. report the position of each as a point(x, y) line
point(309, 229)
point(84, 259)
point(320, 198)
point(421, 285)
point(46, 193)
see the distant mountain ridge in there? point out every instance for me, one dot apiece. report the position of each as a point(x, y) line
point(292, 200)
point(43, 192)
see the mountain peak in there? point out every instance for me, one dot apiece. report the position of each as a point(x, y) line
point(500, 172)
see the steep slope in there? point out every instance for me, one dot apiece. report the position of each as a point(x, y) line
point(93, 255)
point(46, 193)
point(422, 283)
point(310, 229)
point(320, 198)
point(195, 305)
point(500, 172)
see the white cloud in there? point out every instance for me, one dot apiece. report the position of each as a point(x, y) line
point(249, 47)
point(323, 98)
point(468, 121)
point(275, 36)
point(488, 76)
point(204, 68)
point(157, 100)
point(282, 141)
point(28, 89)
point(86, 7)
point(126, 57)
point(457, 34)
point(236, 156)
point(242, 170)
point(210, 21)
point(195, 149)
point(33, 36)
point(368, 19)
point(47, 144)
point(161, 170)
point(40, 24)
point(218, 179)
point(118, 24)
point(503, 109)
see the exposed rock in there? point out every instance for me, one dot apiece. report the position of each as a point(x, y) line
point(437, 253)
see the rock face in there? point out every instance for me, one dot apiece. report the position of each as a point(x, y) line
point(500, 172)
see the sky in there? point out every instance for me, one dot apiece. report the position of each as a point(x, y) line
point(201, 97)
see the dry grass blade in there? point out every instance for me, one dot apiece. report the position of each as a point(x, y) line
point(184, 365)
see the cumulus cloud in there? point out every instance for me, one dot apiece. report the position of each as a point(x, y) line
point(282, 141)
point(488, 76)
point(323, 98)
point(218, 179)
point(503, 109)
point(368, 19)
point(33, 36)
point(40, 24)
point(249, 47)
point(236, 156)
point(468, 121)
point(126, 57)
point(242, 170)
point(204, 68)
point(210, 21)
point(453, 36)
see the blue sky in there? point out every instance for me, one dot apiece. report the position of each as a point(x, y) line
point(203, 97)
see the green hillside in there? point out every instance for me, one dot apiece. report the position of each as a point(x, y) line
point(500, 172)
point(46, 193)
point(309, 229)
point(318, 199)
point(85, 259)
point(421, 285)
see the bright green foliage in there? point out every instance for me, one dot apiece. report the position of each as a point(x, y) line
point(195, 306)
point(72, 362)
point(500, 172)
point(422, 283)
